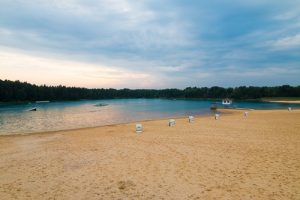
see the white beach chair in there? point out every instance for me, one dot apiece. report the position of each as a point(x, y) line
point(246, 114)
point(138, 128)
point(217, 116)
point(191, 119)
point(172, 122)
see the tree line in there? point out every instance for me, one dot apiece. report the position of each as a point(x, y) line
point(13, 91)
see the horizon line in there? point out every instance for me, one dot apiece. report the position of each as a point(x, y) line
point(39, 85)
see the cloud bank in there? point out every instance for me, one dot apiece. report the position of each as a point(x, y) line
point(150, 44)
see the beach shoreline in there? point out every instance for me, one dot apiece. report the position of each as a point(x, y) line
point(284, 101)
point(223, 111)
point(103, 126)
point(207, 115)
point(235, 157)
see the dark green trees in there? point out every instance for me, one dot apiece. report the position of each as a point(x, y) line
point(22, 91)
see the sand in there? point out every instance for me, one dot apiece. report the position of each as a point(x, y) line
point(286, 101)
point(232, 158)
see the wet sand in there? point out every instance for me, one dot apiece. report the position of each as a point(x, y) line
point(257, 157)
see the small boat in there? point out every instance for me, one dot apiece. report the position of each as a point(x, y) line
point(101, 104)
point(226, 102)
point(32, 109)
point(42, 101)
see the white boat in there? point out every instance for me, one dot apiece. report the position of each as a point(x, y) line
point(226, 102)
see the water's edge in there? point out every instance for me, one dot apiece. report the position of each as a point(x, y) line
point(71, 115)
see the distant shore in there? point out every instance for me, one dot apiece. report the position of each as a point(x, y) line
point(293, 100)
point(231, 158)
point(285, 101)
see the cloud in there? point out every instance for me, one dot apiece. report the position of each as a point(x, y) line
point(288, 42)
point(166, 43)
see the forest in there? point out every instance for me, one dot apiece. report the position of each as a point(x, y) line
point(16, 91)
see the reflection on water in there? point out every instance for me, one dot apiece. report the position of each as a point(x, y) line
point(78, 114)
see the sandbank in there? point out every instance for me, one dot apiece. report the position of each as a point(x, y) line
point(285, 101)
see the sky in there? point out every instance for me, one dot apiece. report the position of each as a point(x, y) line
point(150, 43)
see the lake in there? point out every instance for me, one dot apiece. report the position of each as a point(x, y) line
point(64, 115)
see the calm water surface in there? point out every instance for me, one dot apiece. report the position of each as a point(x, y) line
point(78, 114)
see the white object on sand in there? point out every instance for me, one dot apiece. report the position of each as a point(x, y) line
point(217, 116)
point(245, 114)
point(138, 128)
point(172, 122)
point(290, 108)
point(191, 119)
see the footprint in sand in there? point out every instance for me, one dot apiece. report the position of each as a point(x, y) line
point(125, 185)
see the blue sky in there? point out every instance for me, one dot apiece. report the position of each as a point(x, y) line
point(150, 43)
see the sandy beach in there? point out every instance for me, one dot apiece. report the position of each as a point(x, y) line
point(257, 157)
point(281, 101)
